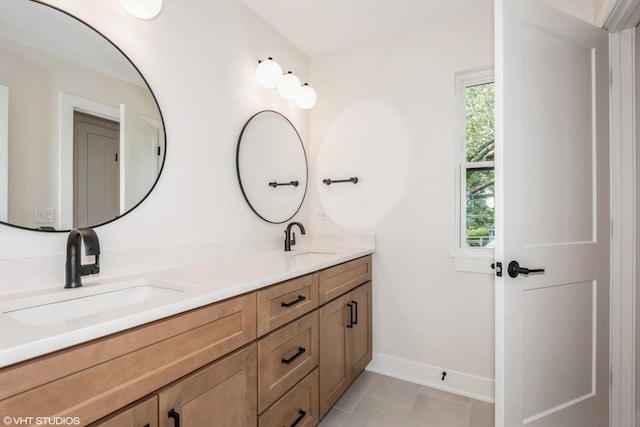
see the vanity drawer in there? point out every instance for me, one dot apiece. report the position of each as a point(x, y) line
point(141, 413)
point(299, 406)
point(282, 303)
point(94, 379)
point(335, 281)
point(285, 357)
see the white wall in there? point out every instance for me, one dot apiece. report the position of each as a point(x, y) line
point(199, 58)
point(426, 313)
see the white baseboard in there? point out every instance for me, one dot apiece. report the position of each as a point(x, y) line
point(431, 376)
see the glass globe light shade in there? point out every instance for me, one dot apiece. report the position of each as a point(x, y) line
point(143, 9)
point(288, 85)
point(306, 97)
point(268, 73)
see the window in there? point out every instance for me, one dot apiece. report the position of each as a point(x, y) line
point(475, 136)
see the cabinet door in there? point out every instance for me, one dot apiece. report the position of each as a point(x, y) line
point(221, 394)
point(335, 356)
point(361, 348)
point(141, 414)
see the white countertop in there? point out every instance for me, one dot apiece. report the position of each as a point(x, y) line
point(202, 284)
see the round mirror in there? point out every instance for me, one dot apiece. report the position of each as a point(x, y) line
point(81, 135)
point(272, 166)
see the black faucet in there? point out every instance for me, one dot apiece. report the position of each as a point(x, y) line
point(74, 267)
point(288, 240)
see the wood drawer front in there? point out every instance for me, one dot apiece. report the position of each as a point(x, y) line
point(275, 376)
point(299, 404)
point(97, 378)
point(142, 413)
point(222, 394)
point(335, 281)
point(282, 303)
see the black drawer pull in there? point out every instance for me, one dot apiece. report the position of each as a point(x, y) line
point(176, 417)
point(295, 356)
point(294, 302)
point(355, 309)
point(300, 417)
point(350, 325)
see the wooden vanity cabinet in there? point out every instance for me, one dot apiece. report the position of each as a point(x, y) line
point(281, 355)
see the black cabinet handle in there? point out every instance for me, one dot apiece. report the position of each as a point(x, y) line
point(350, 325)
point(176, 417)
point(301, 415)
point(147, 424)
point(295, 356)
point(294, 302)
point(355, 309)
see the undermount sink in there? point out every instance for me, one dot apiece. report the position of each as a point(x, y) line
point(310, 254)
point(89, 300)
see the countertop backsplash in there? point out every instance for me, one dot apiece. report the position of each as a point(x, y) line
point(27, 274)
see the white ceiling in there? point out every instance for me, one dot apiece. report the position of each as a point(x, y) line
point(318, 27)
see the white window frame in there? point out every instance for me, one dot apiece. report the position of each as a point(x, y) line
point(467, 259)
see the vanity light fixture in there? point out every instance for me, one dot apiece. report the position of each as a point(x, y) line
point(270, 76)
point(306, 97)
point(143, 9)
point(268, 73)
point(288, 85)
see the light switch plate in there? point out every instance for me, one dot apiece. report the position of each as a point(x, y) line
point(44, 215)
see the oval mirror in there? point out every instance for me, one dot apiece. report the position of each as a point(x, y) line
point(272, 166)
point(81, 134)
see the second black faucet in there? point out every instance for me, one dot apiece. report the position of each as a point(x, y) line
point(289, 237)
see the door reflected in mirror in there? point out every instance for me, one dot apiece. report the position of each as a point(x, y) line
point(81, 135)
point(272, 166)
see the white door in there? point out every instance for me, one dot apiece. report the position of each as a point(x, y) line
point(95, 171)
point(551, 214)
point(139, 142)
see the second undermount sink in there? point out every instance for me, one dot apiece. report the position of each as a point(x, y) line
point(89, 300)
point(310, 254)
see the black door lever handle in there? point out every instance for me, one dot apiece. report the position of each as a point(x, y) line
point(514, 269)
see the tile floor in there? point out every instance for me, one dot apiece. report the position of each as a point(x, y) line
point(375, 400)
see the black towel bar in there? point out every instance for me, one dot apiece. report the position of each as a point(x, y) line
point(331, 181)
point(277, 184)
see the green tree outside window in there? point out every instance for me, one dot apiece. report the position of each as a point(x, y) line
point(480, 156)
